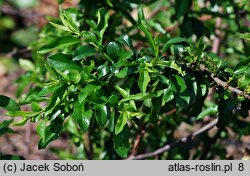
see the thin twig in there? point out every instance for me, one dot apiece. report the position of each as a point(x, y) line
point(23, 52)
point(228, 87)
point(174, 144)
point(225, 85)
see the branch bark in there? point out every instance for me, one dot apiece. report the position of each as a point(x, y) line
point(174, 144)
point(226, 86)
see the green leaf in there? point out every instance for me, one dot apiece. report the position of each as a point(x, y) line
point(4, 127)
point(121, 142)
point(22, 113)
point(58, 43)
point(180, 90)
point(143, 26)
point(40, 129)
point(102, 23)
point(26, 65)
point(126, 40)
point(72, 76)
point(55, 99)
point(49, 133)
point(83, 52)
point(21, 122)
point(123, 92)
point(8, 103)
point(60, 27)
point(167, 96)
point(102, 114)
point(49, 88)
point(243, 66)
point(173, 41)
point(82, 115)
point(63, 62)
point(35, 107)
point(181, 7)
point(114, 99)
point(102, 71)
point(113, 50)
point(121, 122)
point(68, 21)
point(122, 73)
point(245, 36)
point(86, 91)
point(206, 112)
point(143, 81)
point(89, 36)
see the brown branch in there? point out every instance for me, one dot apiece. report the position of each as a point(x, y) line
point(15, 52)
point(225, 85)
point(88, 147)
point(174, 144)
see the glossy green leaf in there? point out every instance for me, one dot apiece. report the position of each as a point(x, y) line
point(55, 99)
point(89, 36)
point(242, 66)
point(49, 88)
point(143, 26)
point(121, 122)
point(73, 76)
point(102, 71)
point(86, 91)
point(21, 122)
point(58, 43)
point(102, 23)
point(8, 103)
point(63, 62)
point(21, 113)
point(126, 40)
point(68, 21)
point(113, 50)
point(123, 92)
point(83, 51)
point(35, 107)
point(206, 112)
point(143, 81)
point(60, 27)
point(173, 41)
point(102, 114)
point(122, 73)
point(167, 96)
point(49, 133)
point(82, 115)
point(180, 90)
point(121, 142)
point(181, 7)
point(114, 99)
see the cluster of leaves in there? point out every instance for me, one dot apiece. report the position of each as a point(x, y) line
point(95, 75)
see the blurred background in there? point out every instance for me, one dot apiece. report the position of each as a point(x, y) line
point(21, 21)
